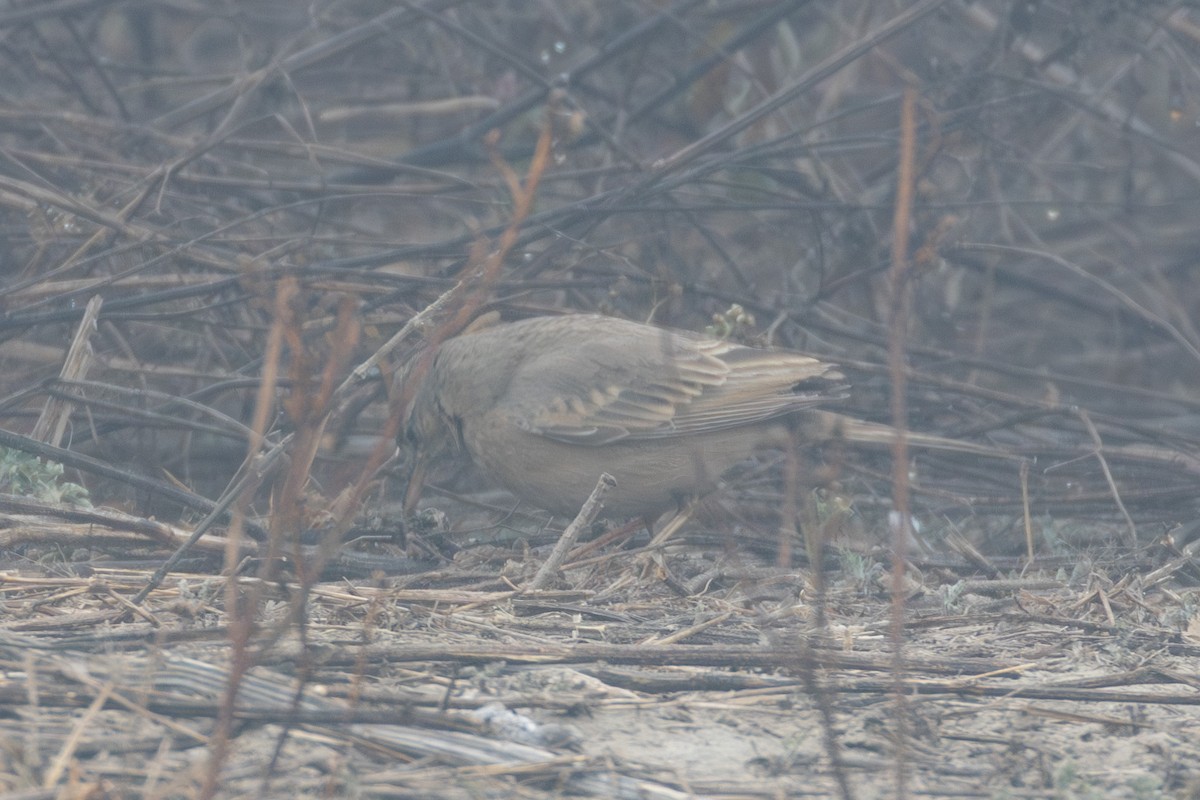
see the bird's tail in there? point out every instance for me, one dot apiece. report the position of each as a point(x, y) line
point(830, 426)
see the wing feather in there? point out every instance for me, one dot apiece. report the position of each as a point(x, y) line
point(638, 383)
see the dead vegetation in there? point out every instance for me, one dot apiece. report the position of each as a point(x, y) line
point(225, 226)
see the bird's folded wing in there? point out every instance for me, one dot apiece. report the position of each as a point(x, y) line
point(700, 385)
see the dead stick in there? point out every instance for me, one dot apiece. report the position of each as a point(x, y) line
point(586, 516)
point(53, 420)
point(898, 322)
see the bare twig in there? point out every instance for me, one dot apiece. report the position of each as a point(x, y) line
point(587, 515)
point(900, 300)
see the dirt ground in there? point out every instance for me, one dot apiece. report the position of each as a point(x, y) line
point(1053, 683)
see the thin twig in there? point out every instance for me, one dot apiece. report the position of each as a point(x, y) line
point(1108, 476)
point(587, 515)
point(902, 531)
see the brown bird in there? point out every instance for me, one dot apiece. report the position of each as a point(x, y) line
point(545, 405)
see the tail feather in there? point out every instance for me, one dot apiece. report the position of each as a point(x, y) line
point(829, 425)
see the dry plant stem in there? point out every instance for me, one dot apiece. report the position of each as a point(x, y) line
point(264, 409)
point(244, 487)
point(677, 521)
point(586, 516)
point(475, 291)
point(308, 407)
point(1121, 296)
point(600, 542)
point(815, 533)
point(754, 656)
point(167, 412)
point(1026, 516)
point(822, 696)
point(689, 632)
point(23, 507)
point(359, 374)
point(107, 222)
point(242, 608)
point(1185, 558)
point(1112, 484)
point(901, 533)
point(847, 55)
point(1060, 73)
point(52, 422)
point(962, 545)
point(790, 510)
point(325, 48)
point(63, 759)
point(466, 140)
point(310, 412)
point(88, 464)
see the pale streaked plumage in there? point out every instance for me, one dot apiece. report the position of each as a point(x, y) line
point(546, 404)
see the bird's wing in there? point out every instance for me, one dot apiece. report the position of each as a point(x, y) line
point(682, 386)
